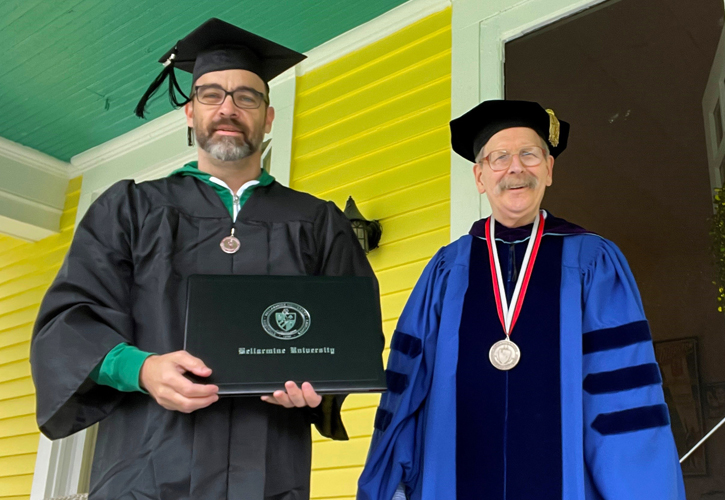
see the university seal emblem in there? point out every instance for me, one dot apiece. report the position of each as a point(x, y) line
point(286, 320)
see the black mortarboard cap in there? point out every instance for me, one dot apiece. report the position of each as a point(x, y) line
point(471, 131)
point(216, 46)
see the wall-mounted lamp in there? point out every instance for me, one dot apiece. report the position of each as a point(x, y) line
point(368, 232)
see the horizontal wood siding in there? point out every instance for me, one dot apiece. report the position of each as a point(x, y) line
point(26, 272)
point(374, 125)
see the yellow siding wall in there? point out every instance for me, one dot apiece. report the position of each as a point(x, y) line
point(374, 125)
point(26, 271)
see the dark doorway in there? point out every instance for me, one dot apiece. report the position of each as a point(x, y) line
point(629, 76)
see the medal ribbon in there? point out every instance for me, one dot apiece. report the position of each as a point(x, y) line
point(509, 313)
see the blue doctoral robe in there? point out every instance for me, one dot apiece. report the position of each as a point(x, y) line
point(582, 416)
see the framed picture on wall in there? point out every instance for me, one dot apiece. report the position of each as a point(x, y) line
point(681, 384)
point(714, 403)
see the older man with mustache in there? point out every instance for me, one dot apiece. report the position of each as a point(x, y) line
point(522, 366)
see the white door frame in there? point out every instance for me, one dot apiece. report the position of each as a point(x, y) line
point(480, 30)
point(715, 93)
point(58, 467)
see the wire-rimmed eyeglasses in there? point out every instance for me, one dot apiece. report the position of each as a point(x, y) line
point(529, 156)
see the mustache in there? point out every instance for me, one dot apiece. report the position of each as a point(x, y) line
point(229, 123)
point(524, 180)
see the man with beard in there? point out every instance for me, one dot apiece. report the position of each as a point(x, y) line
point(522, 366)
point(107, 345)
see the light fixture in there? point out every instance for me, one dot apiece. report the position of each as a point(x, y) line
point(368, 232)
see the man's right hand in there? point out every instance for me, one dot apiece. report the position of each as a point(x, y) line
point(163, 377)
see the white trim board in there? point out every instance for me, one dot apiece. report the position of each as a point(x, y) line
point(283, 94)
point(714, 94)
point(57, 467)
point(146, 134)
point(33, 158)
point(23, 230)
point(32, 192)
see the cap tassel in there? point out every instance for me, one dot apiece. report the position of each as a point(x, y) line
point(554, 128)
point(167, 72)
point(173, 88)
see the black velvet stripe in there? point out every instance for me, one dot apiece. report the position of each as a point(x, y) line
point(623, 379)
point(382, 419)
point(397, 382)
point(508, 424)
point(406, 344)
point(636, 419)
point(613, 338)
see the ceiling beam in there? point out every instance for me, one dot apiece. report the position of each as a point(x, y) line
point(32, 192)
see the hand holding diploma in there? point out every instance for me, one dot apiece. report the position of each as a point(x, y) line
point(294, 396)
point(163, 377)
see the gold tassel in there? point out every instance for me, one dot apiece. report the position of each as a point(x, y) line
point(554, 128)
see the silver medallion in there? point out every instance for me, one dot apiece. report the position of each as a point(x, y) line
point(504, 354)
point(230, 244)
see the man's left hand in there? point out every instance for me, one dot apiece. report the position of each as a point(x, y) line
point(295, 397)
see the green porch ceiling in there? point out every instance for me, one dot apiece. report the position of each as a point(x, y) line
point(73, 70)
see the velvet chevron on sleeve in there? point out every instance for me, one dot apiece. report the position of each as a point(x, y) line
point(628, 445)
point(395, 451)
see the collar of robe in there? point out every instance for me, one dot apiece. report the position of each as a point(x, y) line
point(552, 226)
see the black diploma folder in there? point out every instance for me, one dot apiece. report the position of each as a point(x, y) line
point(257, 332)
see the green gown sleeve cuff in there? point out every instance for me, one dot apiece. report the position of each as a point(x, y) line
point(120, 368)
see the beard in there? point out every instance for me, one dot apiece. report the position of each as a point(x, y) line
point(225, 147)
point(525, 180)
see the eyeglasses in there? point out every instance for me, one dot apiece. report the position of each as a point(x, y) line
point(530, 156)
point(245, 98)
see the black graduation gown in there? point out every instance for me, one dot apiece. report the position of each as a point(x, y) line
point(124, 280)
